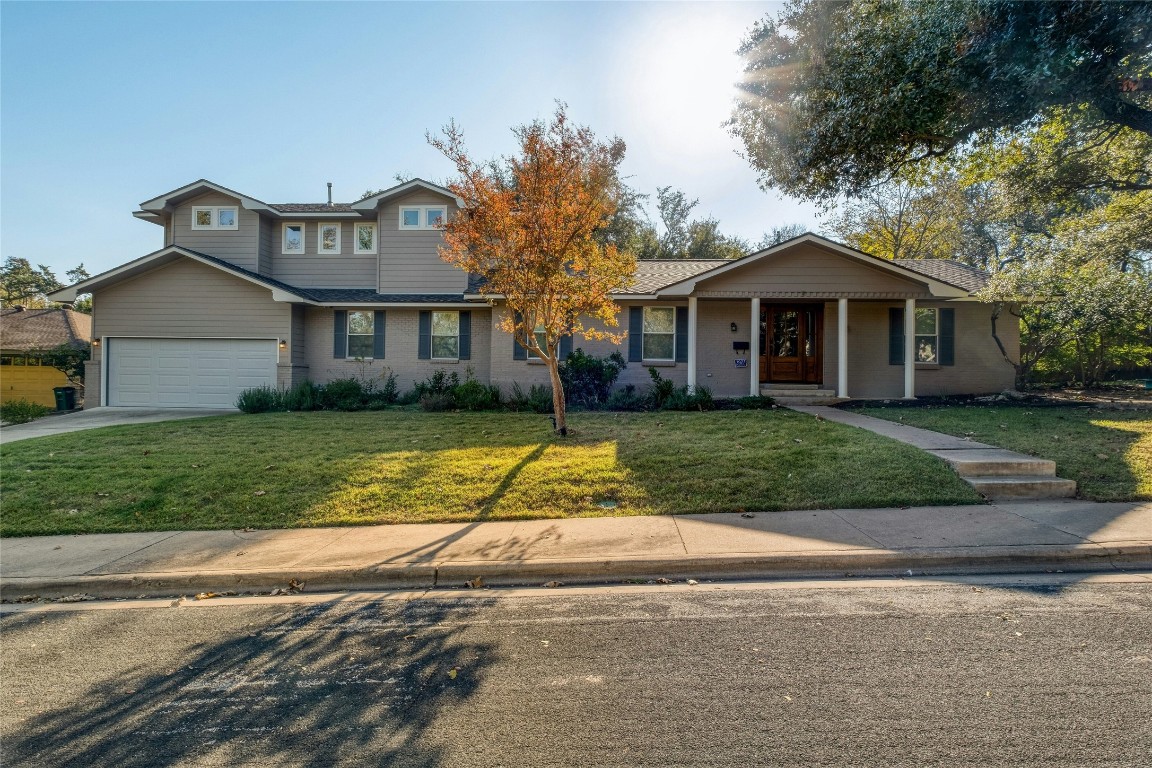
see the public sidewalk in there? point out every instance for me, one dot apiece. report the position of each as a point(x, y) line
point(1015, 537)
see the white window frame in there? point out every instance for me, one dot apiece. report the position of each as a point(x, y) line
point(432, 335)
point(214, 217)
point(320, 238)
point(936, 336)
point(423, 216)
point(531, 353)
point(348, 334)
point(284, 238)
point(356, 238)
point(645, 334)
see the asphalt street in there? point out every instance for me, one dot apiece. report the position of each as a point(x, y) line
point(1023, 671)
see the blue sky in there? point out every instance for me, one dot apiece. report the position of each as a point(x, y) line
point(105, 105)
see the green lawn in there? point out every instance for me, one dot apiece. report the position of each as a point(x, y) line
point(317, 469)
point(1108, 453)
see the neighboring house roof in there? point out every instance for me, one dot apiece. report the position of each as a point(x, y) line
point(27, 330)
point(945, 270)
point(313, 207)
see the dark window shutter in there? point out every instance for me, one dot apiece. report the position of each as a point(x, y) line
point(681, 334)
point(518, 351)
point(424, 351)
point(565, 346)
point(378, 334)
point(947, 337)
point(465, 335)
point(635, 334)
point(340, 334)
point(895, 336)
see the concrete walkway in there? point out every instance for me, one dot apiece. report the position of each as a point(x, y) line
point(91, 418)
point(1035, 536)
point(994, 472)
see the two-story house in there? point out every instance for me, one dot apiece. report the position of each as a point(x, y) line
point(245, 293)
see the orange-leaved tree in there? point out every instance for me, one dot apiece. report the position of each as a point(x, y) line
point(529, 230)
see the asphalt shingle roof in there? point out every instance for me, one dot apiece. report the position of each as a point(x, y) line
point(954, 273)
point(312, 207)
point(654, 274)
point(27, 330)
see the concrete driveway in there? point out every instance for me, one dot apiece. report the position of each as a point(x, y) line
point(101, 417)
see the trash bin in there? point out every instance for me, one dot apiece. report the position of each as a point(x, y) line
point(65, 398)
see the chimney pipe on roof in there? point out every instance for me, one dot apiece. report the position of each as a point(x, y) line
point(329, 194)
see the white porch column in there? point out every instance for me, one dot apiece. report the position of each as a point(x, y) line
point(691, 343)
point(842, 348)
point(754, 350)
point(910, 349)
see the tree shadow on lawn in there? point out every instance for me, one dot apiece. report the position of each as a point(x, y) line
point(336, 683)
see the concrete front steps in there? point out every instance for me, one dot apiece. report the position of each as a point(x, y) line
point(999, 474)
point(800, 394)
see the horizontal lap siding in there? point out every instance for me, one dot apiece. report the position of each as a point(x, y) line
point(267, 233)
point(314, 270)
point(187, 299)
point(409, 260)
point(239, 246)
point(812, 270)
point(400, 349)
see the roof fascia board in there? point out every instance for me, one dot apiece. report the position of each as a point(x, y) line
point(397, 304)
point(938, 288)
point(161, 203)
point(371, 203)
point(84, 286)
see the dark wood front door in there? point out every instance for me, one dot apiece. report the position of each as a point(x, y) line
point(791, 343)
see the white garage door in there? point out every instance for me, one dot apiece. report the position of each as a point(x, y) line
point(187, 373)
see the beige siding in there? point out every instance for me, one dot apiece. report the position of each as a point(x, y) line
point(409, 261)
point(239, 246)
point(268, 228)
point(808, 270)
point(979, 368)
point(401, 341)
point(313, 270)
point(187, 299)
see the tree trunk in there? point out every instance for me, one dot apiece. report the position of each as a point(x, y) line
point(558, 408)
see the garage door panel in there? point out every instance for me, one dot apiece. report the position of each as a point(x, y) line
point(187, 373)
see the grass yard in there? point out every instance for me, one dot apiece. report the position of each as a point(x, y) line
point(1108, 453)
point(286, 470)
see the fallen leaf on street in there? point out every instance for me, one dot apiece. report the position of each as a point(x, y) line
point(663, 580)
point(453, 672)
point(206, 595)
point(476, 583)
point(691, 582)
point(295, 586)
point(747, 514)
point(553, 584)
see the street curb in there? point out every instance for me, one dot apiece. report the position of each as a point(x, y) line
point(836, 564)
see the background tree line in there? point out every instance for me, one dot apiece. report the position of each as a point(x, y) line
point(1013, 136)
point(28, 286)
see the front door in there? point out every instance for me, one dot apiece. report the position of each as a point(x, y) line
point(791, 341)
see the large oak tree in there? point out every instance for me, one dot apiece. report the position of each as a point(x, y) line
point(529, 229)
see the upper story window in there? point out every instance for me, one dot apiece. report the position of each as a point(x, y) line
point(293, 238)
point(927, 336)
point(328, 238)
point(214, 217)
point(422, 216)
point(365, 238)
point(659, 333)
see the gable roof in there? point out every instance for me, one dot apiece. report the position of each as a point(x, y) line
point(150, 208)
point(27, 330)
point(654, 274)
point(937, 286)
point(371, 203)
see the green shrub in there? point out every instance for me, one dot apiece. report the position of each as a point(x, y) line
point(627, 398)
point(305, 396)
point(538, 399)
point(683, 399)
point(439, 383)
point(260, 400)
point(344, 395)
point(471, 395)
point(588, 379)
point(754, 403)
point(662, 389)
point(22, 411)
point(437, 401)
